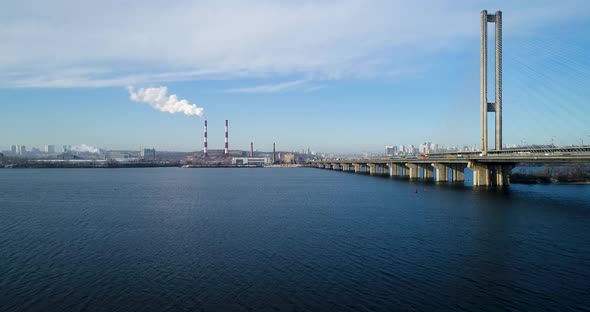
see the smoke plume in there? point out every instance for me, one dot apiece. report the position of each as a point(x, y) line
point(158, 99)
point(83, 148)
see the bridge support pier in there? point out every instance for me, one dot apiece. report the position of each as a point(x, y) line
point(458, 172)
point(383, 169)
point(360, 168)
point(336, 167)
point(394, 170)
point(345, 167)
point(356, 168)
point(414, 171)
point(442, 172)
point(404, 172)
point(490, 174)
point(427, 171)
point(377, 169)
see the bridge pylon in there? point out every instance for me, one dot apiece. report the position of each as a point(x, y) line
point(495, 107)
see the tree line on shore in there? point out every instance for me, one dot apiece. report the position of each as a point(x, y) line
point(553, 174)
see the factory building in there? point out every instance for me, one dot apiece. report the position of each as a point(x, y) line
point(148, 154)
point(250, 161)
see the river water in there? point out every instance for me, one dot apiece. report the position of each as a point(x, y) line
point(286, 239)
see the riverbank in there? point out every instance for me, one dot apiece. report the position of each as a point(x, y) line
point(546, 179)
point(103, 164)
point(82, 165)
point(242, 166)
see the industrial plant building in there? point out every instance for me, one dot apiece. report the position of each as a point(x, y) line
point(148, 154)
point(250, 161)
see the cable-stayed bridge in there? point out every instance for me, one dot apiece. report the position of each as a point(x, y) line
point(491, 167)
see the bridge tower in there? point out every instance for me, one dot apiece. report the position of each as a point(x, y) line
point(485, 105)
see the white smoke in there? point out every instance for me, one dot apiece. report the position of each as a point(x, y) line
point(83, 148)
point(158, 99)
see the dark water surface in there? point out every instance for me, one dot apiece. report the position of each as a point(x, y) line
point(175, 239)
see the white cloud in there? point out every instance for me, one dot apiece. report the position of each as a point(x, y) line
point(270, 88)
point(91, 78)
point(134, 42)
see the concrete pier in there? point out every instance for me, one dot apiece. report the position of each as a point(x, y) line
point(404, 172)
point(346, 167)
point(378, 169)
point(427, 171)
point(394, 170)
point(360, 167)
point(356, 168)
point(490, 174)
point(414, 171)
point(458, 172)
point(441, 172)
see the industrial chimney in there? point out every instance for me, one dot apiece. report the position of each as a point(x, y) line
point(226, 150)
point(205, 141)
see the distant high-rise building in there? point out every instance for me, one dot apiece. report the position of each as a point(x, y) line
point(402, 149)
point(425, 148)
point(389, 150)
point(66, 148)
point(411, 149)
point(13, 149)
point(21, 149)
point(422, 148)
point(49, 149)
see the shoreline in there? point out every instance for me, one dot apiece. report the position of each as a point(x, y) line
point(131, 165)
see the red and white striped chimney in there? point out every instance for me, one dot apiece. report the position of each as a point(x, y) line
point(226, 151)
point(205, 140)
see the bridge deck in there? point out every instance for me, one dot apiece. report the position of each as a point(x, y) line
point(499, 158)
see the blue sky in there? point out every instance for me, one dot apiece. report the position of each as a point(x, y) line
point(337, 76)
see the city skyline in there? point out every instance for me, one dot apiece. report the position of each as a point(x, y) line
point(396, 75)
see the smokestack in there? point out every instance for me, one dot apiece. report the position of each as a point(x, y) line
point(274, 158)
point(205, 140)
point(226, 151)
point(251, 149)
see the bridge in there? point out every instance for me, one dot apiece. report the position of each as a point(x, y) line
point(488, 170)
point(490, 167)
